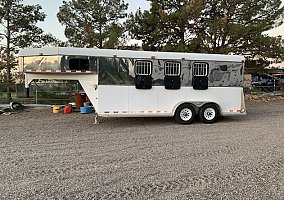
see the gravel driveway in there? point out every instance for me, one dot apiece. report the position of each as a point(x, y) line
point(57, 156)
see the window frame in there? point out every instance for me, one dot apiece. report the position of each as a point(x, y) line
point(206, 69)
point(173, 74)
point(143, 74)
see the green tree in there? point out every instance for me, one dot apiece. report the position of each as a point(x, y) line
point(147, 26)
point(93, 23)
point(238, 26)
point(167, 26)
point(266, 50)
point(178, 19)
point(19, 30)
point(235, 25)
point(212, 26)
point(208, 26)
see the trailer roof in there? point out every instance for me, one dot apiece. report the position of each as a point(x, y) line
point(128, 54)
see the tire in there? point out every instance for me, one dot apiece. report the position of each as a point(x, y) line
point(208, 113)
point(185, 114)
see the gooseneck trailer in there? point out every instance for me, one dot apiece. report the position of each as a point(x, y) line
point(124, 83)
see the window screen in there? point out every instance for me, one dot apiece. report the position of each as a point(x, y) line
point(200, 69)
point(172, 68)
point(143, 67)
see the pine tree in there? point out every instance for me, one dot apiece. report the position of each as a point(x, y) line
point(148, 27)
point(167, 25)
point(207, 26)
point(236, 25)
point(93, 23)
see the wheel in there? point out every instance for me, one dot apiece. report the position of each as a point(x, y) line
point(185, 114)
point(208, 113)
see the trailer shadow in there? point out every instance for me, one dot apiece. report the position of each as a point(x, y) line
point(134, 121)
point(160, 121)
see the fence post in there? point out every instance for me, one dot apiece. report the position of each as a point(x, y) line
point(36, 94)
point(274, 85)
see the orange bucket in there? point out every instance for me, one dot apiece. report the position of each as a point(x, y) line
point(67, 109)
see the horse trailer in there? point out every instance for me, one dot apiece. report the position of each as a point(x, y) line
point(125, 83)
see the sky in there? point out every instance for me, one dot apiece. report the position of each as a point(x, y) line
point(51, 8)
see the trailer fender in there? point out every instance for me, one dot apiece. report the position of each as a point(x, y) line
point(183, 103)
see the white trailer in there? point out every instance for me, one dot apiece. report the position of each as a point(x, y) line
point(124, 83)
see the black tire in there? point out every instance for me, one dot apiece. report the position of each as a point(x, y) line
point(208, 113)
point(185, 114)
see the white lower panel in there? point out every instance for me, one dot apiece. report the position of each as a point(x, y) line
point(128, 101)
point(143, 100)
point(113, 99)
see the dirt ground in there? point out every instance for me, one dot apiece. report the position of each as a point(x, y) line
point(65, 156)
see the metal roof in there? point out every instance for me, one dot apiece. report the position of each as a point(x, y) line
point(129, 54)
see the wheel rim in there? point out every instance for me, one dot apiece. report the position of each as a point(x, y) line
point(185, 114)
point(209, 114)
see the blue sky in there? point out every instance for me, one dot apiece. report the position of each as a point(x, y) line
point(51, 24)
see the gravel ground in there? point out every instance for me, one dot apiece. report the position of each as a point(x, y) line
point(56, 156)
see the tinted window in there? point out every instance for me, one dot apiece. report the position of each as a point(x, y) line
point(79, 64)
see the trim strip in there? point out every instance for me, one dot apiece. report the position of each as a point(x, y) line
point(60, 71)
point(235, 111)
point(135, 112)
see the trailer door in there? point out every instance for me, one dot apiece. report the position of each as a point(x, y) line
point(200, 75)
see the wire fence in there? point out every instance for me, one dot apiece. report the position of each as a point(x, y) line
point(44, 93)
point(258, 89)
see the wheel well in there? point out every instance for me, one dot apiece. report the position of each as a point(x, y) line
point(187, 103)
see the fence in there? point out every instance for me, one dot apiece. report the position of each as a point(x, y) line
point(60, 93)
point(259, 89)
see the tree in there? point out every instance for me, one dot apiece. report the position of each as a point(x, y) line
point(267, 50)
point(166, 26)
point(93, 23)
point(208, 26)
point(238, 26)
point(235, 25)
point(178, 19)
point(147, 26)
point(19, 24)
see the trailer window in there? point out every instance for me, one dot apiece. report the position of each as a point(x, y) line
point(172, 68)
point(79, 64)
point(200, 69)
point(143, 67)
point(116, 71)
point(41, 63)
